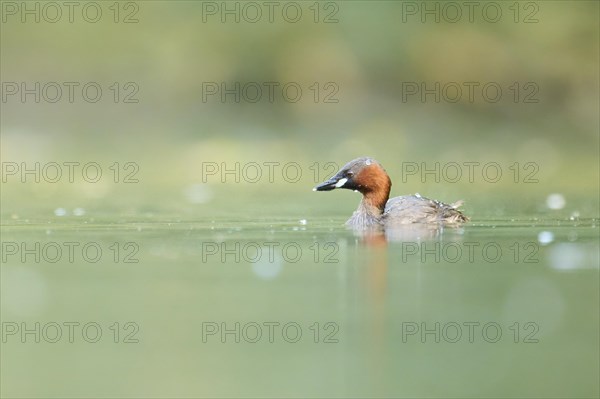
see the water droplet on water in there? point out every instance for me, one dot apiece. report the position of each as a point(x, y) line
point(545, 237)
point(555, 201)
point(574, 215)
point(198, 193)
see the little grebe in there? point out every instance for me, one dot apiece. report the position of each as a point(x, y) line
point(367, 176)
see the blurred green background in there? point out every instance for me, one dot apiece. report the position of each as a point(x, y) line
point(369, 53)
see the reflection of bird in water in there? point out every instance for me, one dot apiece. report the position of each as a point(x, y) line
point(376, 209)
point(402, 233)
point(381, 312)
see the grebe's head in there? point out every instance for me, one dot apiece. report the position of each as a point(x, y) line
point(365, 175)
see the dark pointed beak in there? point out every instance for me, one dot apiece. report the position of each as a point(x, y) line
point(335, 182)
point(326, 185)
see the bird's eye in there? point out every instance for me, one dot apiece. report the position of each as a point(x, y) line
point(349, 173)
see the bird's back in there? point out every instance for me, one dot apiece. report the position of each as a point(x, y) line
point(417, 209)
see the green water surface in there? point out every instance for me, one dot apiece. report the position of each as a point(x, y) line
point(295, 308)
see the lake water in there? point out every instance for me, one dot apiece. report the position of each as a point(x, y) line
point(298, 308)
